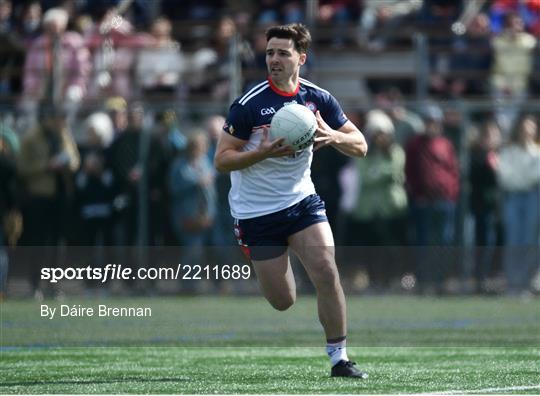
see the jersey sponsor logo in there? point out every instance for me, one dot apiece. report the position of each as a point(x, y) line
point(312, 106)
point(291, 102)
point(321, 212)
point(268, 111)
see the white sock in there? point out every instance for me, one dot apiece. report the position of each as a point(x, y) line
point(337, 351)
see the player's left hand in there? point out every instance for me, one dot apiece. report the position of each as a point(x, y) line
point(324, 134)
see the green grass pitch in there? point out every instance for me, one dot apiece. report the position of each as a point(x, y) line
point(239, 345)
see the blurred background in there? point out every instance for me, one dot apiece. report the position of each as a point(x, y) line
point(111, 110)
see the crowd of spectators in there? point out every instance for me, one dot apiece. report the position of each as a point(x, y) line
point(98, 145)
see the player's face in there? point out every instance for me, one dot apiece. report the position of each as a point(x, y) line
point(282, 59)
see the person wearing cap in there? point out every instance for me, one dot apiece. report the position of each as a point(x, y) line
point(378, 218)
point(432, 180)
point(94, 193)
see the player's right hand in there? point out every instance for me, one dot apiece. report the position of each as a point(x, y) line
point(274, 148)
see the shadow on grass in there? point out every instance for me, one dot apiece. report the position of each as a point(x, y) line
point(92, 382)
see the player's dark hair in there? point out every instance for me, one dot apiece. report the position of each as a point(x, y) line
point(297, 32)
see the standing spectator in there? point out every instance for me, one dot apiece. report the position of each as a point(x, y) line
point(48, 160)
point(173, 143)
point(138, 165)
point(10, 219)
point(223, 221)
point(93, 203)
point(484, 199)
point(192, 186)
point(519, 177)
point(57, 64)
point(193, 200)
point(379, 216)
point(432, 175)
point(513, 61)
point(160, 65)
point(325, 169)
point(168, 132)
point(116, 108)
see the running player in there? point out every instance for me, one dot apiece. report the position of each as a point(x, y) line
point(272, 197)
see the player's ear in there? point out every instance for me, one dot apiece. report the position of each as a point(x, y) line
point(303, 58)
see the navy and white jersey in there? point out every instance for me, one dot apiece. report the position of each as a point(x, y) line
point(274, 183)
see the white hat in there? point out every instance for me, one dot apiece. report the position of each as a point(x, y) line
point(378, 121)
point(102, 125)
point(57, 15)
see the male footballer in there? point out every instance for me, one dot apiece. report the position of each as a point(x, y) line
point(272, 197)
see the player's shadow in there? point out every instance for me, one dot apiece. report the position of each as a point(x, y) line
point(92, 382)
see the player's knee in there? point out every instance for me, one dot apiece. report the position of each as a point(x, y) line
point(325, 276)
point(282, 304)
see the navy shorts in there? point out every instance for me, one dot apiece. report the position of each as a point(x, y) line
point(265, 237)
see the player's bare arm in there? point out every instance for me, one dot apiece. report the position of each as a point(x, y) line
point(348, 139)
point(229, 155)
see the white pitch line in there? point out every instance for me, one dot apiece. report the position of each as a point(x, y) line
point(485, 390)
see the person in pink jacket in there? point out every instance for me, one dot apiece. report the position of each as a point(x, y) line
point(57, 64)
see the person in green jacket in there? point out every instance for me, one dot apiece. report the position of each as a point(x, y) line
point(379, 216)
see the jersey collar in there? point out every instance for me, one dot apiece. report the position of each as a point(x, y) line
point(283, 93)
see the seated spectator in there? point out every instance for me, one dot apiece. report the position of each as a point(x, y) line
point(29, 24)
point(334, 16)
point(57, 64)
point(513, 61)
point(269, 12)
point(211, 64)
point(528, 10)
point(13, 52)
point(202, 10)
point(519, 177)
point(160, 65)
point(114, 44)
point(440, 13)
point(381, 18)
point(471, 59)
